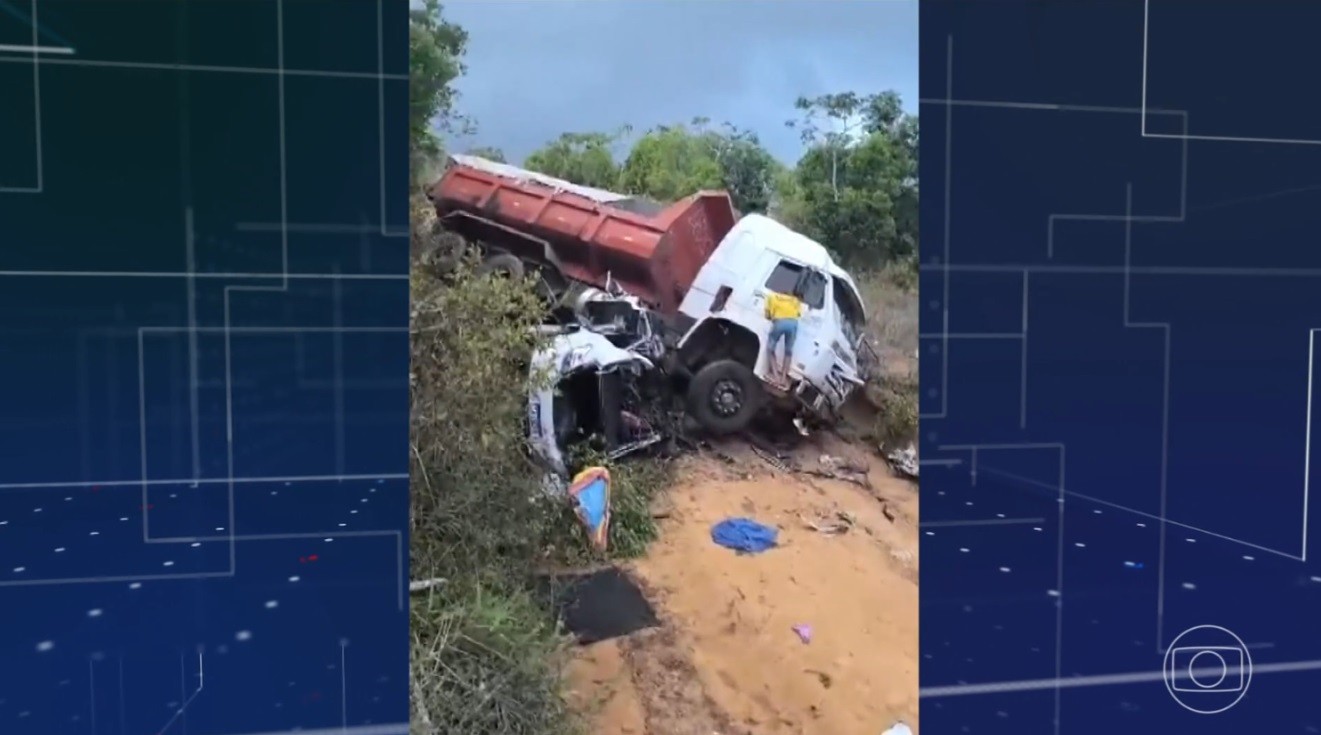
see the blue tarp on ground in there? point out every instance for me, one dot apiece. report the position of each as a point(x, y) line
point(744, 535)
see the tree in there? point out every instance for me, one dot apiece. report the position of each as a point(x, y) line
point(829, 123)
point(669, 163)
point(673, 161)
point(585, 159)
point(855, 188)
point(748, 170)
point(435, 59)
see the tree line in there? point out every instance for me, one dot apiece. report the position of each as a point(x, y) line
point(854, 188)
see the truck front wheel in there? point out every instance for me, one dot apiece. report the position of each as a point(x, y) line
point(724, 396)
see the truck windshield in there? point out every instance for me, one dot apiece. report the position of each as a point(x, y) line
point(851, 314)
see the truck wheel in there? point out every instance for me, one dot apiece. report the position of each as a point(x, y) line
point(503, 264)
point(724, 396)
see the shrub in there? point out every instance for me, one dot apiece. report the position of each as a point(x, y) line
point(484, 653)
point(892, 326)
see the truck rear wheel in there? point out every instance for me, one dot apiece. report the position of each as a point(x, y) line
point(724, 396)
point(502, 264)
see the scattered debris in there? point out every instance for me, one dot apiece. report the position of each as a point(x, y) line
point(903, 461)
point(839, 523)
point(770, 458)
point(804, 632)
point(744, 535)
point(426, 584)
point(593, 394)
point(590, 491)
point(836, 468)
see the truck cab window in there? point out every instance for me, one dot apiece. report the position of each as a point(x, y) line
point(812, 289)
point(850, 310)
point(789, 278)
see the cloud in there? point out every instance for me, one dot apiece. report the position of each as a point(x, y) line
point(537, 68)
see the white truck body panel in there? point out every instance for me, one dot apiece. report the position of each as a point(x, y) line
point(759, 253)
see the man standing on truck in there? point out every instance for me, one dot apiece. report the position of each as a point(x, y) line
point(783, 310)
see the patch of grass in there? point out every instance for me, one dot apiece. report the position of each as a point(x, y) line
point(634, 485)
point(891, 298)
point(484, 652)
point(486, 659)
point(895, 400)
point(486, 655)
point(890, 295)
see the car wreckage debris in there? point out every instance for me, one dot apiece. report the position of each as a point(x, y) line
point(903, 461)
point(604, 387)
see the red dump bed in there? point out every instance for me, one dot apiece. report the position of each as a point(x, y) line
point(653, 252)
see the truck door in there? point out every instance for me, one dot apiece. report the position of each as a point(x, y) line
point(811, 287)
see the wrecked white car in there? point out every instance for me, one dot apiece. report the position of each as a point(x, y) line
point(595, 394)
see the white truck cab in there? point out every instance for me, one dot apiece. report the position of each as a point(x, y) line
point(724, 340)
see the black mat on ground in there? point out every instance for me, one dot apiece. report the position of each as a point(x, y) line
point(599, 605)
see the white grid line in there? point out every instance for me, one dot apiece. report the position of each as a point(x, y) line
point(192, 330)
point(1157, 270)
point(193, 382)
point(1307, 437)
point(198, 481)
point(34, 49)
point(982, 522)
point(947, 268)
point(1146, 13)
point(183, 707)
point(1059, 560)
point(1022, 360)
point(1099, 109)
point(35, 59)
point(209, 276)
point(1141, 677)
point(213, 68)
point(384, 229)
point(1139, 513)
point(944, 296)
point(1165, 411)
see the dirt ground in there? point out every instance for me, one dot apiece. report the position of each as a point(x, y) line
point(726, 659)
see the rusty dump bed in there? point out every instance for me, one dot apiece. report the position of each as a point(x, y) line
point(654, 253)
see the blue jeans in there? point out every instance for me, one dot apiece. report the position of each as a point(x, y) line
point(787, 330)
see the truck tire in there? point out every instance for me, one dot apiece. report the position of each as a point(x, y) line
point(724, 396)
point(502, 264)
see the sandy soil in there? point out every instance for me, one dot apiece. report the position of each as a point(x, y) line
point(726, 660)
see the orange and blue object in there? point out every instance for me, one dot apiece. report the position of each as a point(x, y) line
point(590, 491)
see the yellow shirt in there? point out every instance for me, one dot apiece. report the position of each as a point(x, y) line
point(782, 306)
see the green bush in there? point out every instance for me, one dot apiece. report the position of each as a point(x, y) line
point(485, 651)
point(474, 489)
point(485, 660)
point(892, 326)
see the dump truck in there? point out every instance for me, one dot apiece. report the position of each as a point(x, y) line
point(697, 263)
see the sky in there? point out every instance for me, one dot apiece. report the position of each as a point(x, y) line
point(537, 68)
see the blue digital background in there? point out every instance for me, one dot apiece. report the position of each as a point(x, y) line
point(1117, 357)
point(203, 326)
